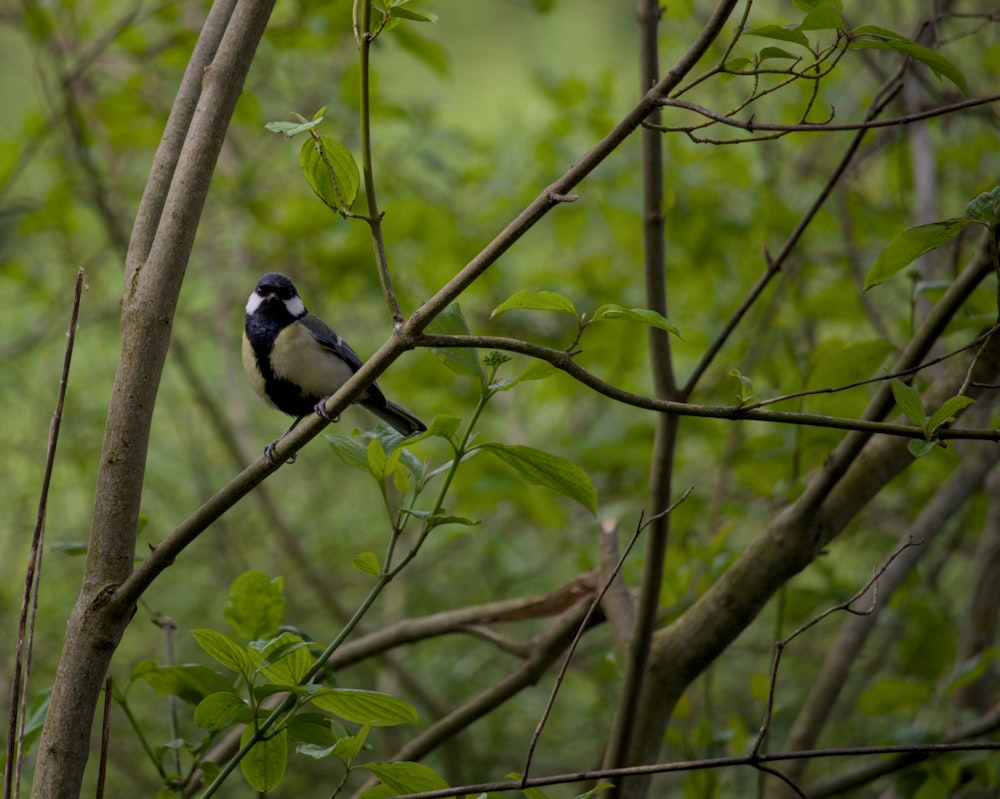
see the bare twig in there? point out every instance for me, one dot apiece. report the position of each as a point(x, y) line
point(640, 527)
point(779, 647)
point(561, 360)
point(919, 750)
point(33, 572)
point(102, 768)
point(752, 126)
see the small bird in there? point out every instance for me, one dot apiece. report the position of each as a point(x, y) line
point(295, 361)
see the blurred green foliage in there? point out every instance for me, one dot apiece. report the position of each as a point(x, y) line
point(473, 117)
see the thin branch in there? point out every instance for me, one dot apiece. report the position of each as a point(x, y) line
point(32, 577)
point(561, 360)
point(585, 623)
point(923, 750)
point(779, 647)
point(374, 218)
point(102, 768)
point(979, 341)
point(752, 126)
point(661, 367)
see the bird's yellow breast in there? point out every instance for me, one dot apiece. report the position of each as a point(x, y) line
point(298, 358)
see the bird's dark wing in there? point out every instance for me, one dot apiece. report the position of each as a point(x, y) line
point(330, 340)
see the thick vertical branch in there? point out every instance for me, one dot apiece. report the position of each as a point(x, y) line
point(665, 387)
point(164, 236)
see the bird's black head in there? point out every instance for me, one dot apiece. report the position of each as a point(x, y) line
point(275, 296)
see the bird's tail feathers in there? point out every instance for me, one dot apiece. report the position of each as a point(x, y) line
point(397, 417)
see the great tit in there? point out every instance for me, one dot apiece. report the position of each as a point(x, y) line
point(295, 361)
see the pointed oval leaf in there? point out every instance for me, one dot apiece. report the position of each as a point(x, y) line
point(823, 16)
point(537, 301)
point(365, 707)
point(946, 413)
point(264, 765)
point(877, 38)
point(220, 710)
point(330, 171)
point(190, 682)
point(287, 660)
point(462, 360)
point(552, 471)
point(225, 650)
point(909, 402)
point(780, 33)
point(643, 315)
point(350, 452)
point(911, 244)
point(255, 604)
point(402, 778)
point(537, 370)
point(367, 562)
point(289, 129)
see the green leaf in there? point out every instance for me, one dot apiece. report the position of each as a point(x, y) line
point(812, 5)
point(440, 519)
point(537, 370)
point(745, 393)
point(317, 729)
point(737, 64)
point(287, 660)
point(377, 461)
point(190, 682)
point(911, 244)
point(823, 16)
point(537, 301)
point(643, 315)
point(221, 709)
point(604, 786)
point(874, 37)
point(350, 452)
point(367, 562)
point(919, 447)
point(416, 16)
point(444, 425)
point(552, 471)
point(530, 793)
point(264, 765)
point(793, 35)
point(289, 129)
point(909, 402)
point(365, 707)
point(402, 778)
point(986, 207)
point(331, 172)
point(225, 650)
point(462, 360)
point(768, 53)
point(428, 51)
point(347, 747)
point(255, 604)
point(946, 413)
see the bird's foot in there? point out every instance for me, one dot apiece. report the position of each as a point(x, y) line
point(321, 410)
point(269, 452)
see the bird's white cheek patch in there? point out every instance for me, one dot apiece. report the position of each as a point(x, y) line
point(295, 307)
point(254, 302)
